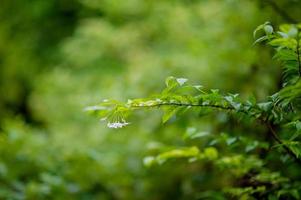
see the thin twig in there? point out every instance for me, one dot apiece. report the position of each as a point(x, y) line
point(276, 138)
point(281, 12)
point(190, 105)
point(298, 54)
point(184, 105)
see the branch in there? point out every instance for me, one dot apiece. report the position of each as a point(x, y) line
point(298, 54)
point(281, 12)
point(183, 105)
point(279, 141)
point(227, 108)
point(263, 120)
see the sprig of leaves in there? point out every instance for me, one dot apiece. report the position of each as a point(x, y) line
point(286, 42)
point(179, 97)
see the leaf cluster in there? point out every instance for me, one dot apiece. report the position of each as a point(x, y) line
point(279, 114)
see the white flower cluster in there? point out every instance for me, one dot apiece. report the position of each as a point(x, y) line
point(117, 124)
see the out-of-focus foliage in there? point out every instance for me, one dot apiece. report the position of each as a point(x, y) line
point(58, 56)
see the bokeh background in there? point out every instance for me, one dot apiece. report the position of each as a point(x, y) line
point(59, 56)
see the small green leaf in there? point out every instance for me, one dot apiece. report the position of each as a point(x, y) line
point(179, 153)
point(171, 83)
point(211, 153)
point(266, 106)
point(261, 39)
point(234, 104)
point(169, 112)
point(192, 133)
point(231, 140)
point(298, 126)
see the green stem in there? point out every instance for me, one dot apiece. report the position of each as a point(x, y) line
point(279, 141)
point(298, 54)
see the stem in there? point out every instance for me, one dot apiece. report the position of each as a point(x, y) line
point(184, 105)
point(279, 141)
point(298, 54)
point(227, 108)
point(281, 12)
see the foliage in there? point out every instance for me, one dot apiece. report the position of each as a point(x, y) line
point(282, 109)
point(58, 56)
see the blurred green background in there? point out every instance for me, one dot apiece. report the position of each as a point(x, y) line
point(59, 56)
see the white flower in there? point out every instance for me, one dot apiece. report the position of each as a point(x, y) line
point(181, 81)
point(117, 124)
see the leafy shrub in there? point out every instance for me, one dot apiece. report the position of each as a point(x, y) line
point(252, 162)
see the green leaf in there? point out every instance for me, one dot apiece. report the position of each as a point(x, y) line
point(232, 102)
point(284, 42)
point(170, 83)
point(211, 153)
point(169, 112)
point(285, 55)
point(298, 126)
point(179, 153)
point(260, 27)
point(231, 140)
point(192, 133)
point(266, 106)
point(282, 34)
